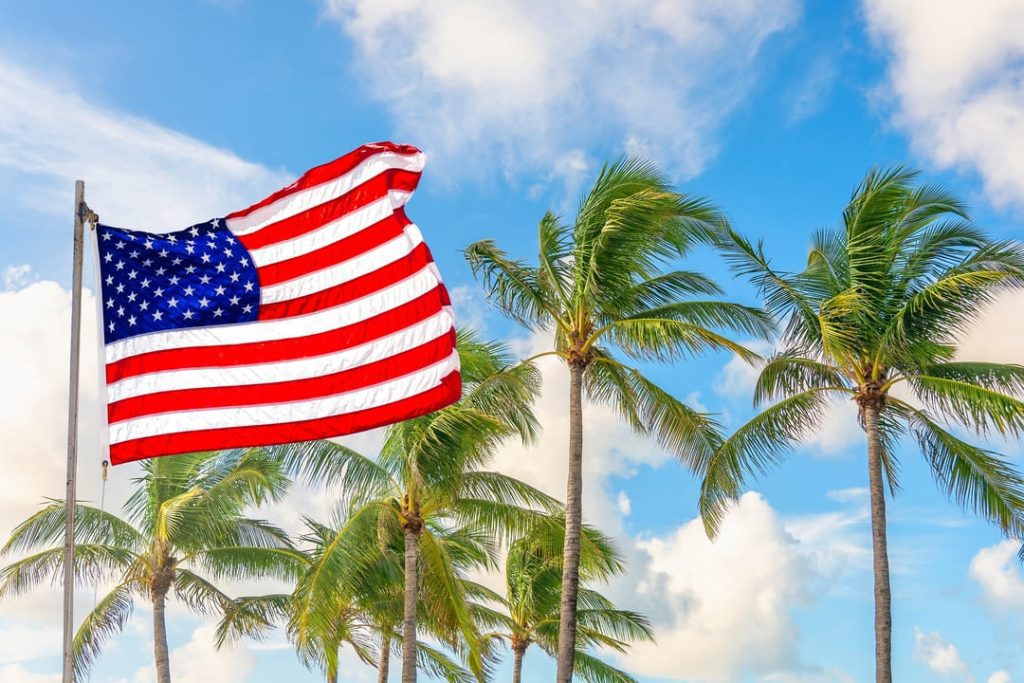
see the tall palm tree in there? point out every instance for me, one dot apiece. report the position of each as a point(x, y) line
point(533, 580)
point(428, 482)
point(183, 526)
point(881, 305)
point(600, 285)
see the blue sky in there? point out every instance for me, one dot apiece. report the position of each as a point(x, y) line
point(774, 110)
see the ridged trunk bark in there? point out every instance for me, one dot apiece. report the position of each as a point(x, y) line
point(573, 514)
point(384, 666)
point(883, 595)
point(161, 660)
point(517, 662)
point(412, 537)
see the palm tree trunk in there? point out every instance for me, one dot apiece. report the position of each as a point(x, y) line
point(383, 668)
point(573, 514)
point(517, 663)
point(883, 597)
point(412, 538)
point(161, 660)
point(332, 673)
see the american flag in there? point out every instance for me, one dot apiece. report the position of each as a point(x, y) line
point(314, 313)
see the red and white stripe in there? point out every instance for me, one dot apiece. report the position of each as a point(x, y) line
point(355, 328)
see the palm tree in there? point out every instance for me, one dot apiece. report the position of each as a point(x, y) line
point(533, 580)
point(600, 285)
point(185, 518)
point(426, 485)
point(881, 306)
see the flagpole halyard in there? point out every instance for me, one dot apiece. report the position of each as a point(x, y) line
point(82, 214)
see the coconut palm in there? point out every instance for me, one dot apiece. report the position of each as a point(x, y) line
point(363, 611)
point(875, 317)
point(428, 482)
point(183, 527)
point(533, 580)
point(601, 285)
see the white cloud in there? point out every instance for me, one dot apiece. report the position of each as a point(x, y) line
point(137, 173)
point(21, 643)
point(956, 73)
point(16, 277)
point(997, 571)
point(996, 334)
point(939, 656)
point(1001, 676)
point(519, 83)
point(624, 504)
point(15, 673)
point(727, 615)
point(199, 661)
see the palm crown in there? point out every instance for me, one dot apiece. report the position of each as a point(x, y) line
point(880, 305)
point(183, 527)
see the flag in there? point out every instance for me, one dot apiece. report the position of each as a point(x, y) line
point(314, 313)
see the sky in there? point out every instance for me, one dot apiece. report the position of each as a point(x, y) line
point(773, 109)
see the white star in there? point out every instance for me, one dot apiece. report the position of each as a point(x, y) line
point(120, 287)
point(219, 290)
point(148, 262)
point(131, 321)
point(110, 303)
point(106, 236)
point(119, 245)
point(132, 296)
point(159, 291)
point(204, 302)
point(144, 306)
point(187, 315)
point(134, 254)
point(227, 252)
point(176, 262)
point(111, 326)
point(172, 239)
point(190, 270)
point(247, 308)
point(206, 258)
point(221, 267)
point(108, 257)
point(234, 300)
point(188, 291)
point(244, 261)
point(164, 253)
point(190, 249)
point(215, 222)
point(109, 280)
point(230, 239)
point(145, 282)
point(248, 286)
point(158, 315)
point(172, 302)
point(132, 275)
point(149, 243)
point(119, 265)
point(120, 311)
point(194, 231)
point(218, 313)
point(205, 279)
point(234, 277)
point(161, 271)
point(174, 279)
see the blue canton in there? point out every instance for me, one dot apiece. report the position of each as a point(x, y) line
point(191, 278)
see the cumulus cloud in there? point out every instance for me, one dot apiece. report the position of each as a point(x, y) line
point(997, 571)
point(1001, 676)
point(956, 75)
point(138, 173)
point(939, 656)
point(518, 83)
point(15, 673)
point(199, 661)
point(727, 615)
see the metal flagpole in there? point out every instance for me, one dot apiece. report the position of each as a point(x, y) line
point(82, 214)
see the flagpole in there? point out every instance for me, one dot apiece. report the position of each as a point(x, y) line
point(82, 213)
